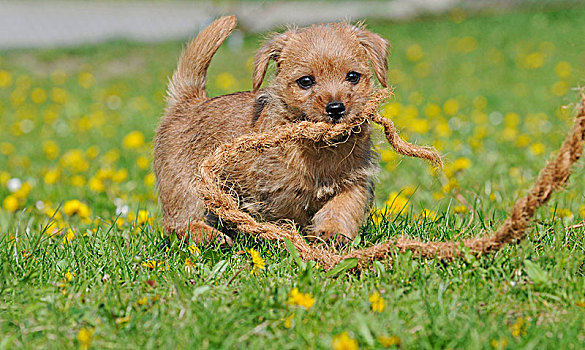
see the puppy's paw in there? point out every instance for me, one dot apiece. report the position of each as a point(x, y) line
point(333, 232)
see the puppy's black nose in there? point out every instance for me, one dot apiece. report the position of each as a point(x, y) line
point(335, 110)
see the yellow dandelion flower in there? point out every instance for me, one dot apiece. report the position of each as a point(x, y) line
point(120, 175)
point(51, 149)
point(4, 177)
point(142, 301)
point(143, 162)
point(466, 44)
point(288, 321)
point(296, 298)
point(451, 107)
point(74, 160)
point(509, 133)
point(391, 109)
point(560, 88)
point(69, 235)
point(78, 181)
point(7, 148)
point(518, 329)
point(409, 112)
point(534, 60)
point(92, 152)
point(96, 185)
point(480, 102)
point(432, 110)
point(257, 261)
point(50, 116)
point(499, 344)
point(135, 139)
point(225, 81)
point(5, 79)
point(537, 148)
point(84, 337)
point(49, 211)
point(422, 69)
point(396, 76)
point(52, 176)
point(18, 97)
point(120, 222)
point(59, 77)
point(443, 130)
point(460, 209)
point(377, 216)
point(429, 215)
point(11, 203)
point(84, 124)
point(149, 180)
point(562, 213)
point(76, 207)
point(388, 155)
point(344, 342)
point(38, 95)
point(58, 95)
point(420, 126)
point(461, 163)
point(396, 203)
point(522, 140)
point(563, 69)
point(111, 156)
point(414, 53)
point(193, 249)
point(104, 174)
point(153, 264)
point(512, 119)
point(23, 191)
point(69, 276)
point(143, 217)
point(85, 79)
point(387, 342)
point(377, 303)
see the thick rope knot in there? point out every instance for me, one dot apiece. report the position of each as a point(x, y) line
point(551, 178)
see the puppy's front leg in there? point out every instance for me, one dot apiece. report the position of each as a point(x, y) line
point(342, 215)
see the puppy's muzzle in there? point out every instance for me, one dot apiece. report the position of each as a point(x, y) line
point(335, 110)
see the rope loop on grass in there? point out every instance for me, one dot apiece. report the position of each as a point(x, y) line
point(551, 178)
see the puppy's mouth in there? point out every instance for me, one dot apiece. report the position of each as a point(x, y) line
point(326, 117)
point(344, 137)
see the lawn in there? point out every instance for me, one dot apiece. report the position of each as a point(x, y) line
point(84, 262)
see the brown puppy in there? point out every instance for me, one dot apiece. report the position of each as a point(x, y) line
point(323, 74)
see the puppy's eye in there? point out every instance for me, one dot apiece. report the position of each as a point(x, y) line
point(353, 77)
point(306, 81)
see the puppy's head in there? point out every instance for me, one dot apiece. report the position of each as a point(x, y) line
point(323, 71)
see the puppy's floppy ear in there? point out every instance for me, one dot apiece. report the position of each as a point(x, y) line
point(377, 50)
point(270, 51)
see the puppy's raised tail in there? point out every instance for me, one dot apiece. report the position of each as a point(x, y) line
point(188, 82)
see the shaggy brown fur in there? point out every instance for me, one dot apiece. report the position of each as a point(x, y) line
point(323, 188)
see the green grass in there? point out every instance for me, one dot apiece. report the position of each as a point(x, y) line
point(486, 91)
